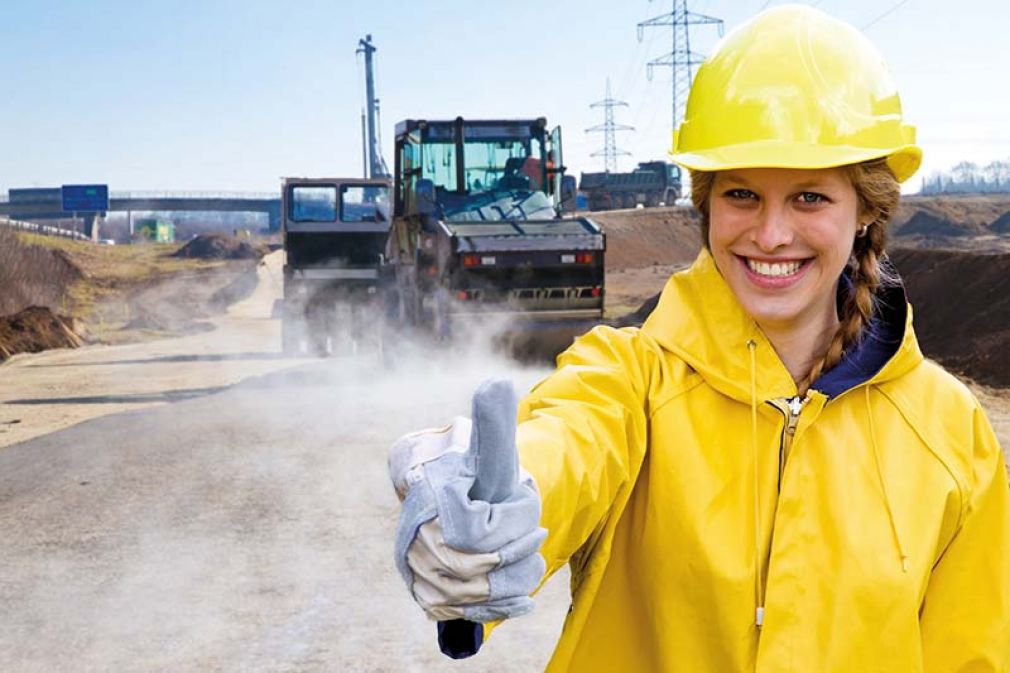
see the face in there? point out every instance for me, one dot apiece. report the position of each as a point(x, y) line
point(781, 238)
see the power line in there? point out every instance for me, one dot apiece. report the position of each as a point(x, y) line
point(893, 8)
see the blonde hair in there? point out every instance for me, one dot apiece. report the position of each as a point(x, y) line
point(878, 193)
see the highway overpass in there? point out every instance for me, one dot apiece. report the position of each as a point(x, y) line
point(47, 204)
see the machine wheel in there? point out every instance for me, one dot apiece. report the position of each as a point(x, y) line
point(290, 344)
point(441, 325)
point(294, 330)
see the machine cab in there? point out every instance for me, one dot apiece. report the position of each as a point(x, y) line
point(473, 171)
point(335, 220)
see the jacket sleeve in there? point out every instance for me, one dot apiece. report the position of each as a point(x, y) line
point(965, 617)
point(582, 435)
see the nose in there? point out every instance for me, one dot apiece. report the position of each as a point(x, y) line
point(773, 229)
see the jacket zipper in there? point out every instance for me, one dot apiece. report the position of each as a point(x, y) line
point(790, 408)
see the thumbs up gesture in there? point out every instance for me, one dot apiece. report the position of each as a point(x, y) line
point(468, 536)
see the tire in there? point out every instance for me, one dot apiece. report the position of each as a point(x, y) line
point(290, 345)
point(441, 325)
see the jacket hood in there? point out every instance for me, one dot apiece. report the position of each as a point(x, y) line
point(699, 319)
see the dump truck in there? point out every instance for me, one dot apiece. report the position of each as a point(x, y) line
point(335, 235)
point(651, 184)
point(479, 234)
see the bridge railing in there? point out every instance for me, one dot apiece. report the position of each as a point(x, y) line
point(252, 196)
point(43, 229)
point(194, 195)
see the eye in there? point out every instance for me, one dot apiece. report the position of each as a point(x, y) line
point(740, 195)
point(811, 198)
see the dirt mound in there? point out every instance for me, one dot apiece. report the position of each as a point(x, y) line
point(973, 212)
point(33, 330)
point(220, 246)
point(924, 223)
point(1001, 225)
point(962, 309)
point(649, 236)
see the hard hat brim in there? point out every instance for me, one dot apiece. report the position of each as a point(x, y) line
point(903, 161)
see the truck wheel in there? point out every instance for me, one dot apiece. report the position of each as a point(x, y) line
point(294, 331)
point(440, 323)
point(290, 338)
point(319, 322)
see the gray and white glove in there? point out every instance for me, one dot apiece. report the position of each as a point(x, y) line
point(468, 536)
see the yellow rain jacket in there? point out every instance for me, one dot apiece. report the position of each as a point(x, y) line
point(870, 531)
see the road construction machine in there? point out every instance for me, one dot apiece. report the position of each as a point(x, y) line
point(651, 184)
point(479, 235)
point(335, 233)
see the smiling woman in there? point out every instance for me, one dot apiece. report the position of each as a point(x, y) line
point(768, 475)
point(784, 259)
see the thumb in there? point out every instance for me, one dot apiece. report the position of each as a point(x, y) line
point(493, 441)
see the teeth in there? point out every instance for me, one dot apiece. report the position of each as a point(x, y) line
point(773, 270)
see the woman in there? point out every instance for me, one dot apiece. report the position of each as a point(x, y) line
point(767, 475)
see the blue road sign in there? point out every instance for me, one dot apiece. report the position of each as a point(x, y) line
point(85, 198)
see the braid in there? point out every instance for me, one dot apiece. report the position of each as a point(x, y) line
point(858, 305)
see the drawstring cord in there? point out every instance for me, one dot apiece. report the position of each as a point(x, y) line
point(883, 486)
point(758, 588)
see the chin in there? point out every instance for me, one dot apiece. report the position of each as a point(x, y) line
point(766, 312)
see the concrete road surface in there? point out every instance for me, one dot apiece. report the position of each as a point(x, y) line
point(246, 530)
point(204, 504)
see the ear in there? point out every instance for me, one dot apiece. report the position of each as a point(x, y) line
point(867, 218)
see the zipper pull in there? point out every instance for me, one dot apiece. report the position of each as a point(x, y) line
point(795, 407)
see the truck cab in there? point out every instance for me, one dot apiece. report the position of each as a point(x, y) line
point(335, 232)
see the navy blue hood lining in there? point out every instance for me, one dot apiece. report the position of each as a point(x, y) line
point(879, 341)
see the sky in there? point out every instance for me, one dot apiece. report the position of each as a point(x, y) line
point(233, 95)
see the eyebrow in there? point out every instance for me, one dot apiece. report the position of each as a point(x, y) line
point(809, 184)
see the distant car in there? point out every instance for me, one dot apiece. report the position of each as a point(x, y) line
point(106, 241)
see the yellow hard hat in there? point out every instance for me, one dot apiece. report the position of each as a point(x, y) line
point(794, 88)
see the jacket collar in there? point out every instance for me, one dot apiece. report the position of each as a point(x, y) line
point(699, 319)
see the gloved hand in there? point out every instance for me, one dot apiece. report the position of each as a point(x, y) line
point(468, 537)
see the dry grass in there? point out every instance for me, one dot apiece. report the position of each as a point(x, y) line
point(112, 271)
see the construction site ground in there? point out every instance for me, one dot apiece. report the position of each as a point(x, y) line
point(202, 503)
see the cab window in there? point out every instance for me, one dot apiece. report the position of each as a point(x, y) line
point(312, 204)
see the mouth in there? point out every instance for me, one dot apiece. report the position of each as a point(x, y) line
point(774, 274)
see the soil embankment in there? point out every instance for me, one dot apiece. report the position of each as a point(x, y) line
point(34, 275)
point(647, 237)
point(645, 246)
point(116, 294)
point(961, 302)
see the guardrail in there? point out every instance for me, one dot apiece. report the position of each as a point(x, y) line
point(194, 195)
point(43, 229)
point(252, 196)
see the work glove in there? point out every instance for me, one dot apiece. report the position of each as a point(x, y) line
point(468, 536)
